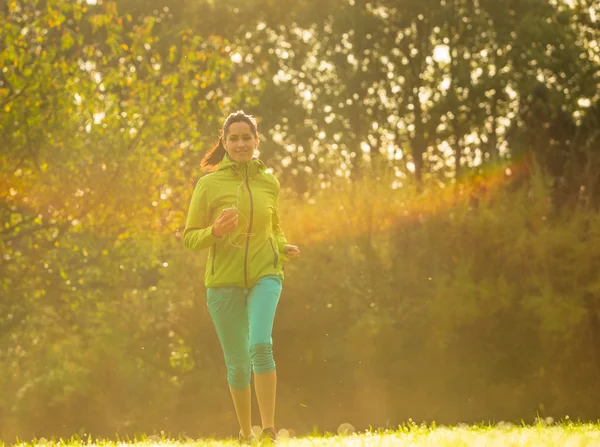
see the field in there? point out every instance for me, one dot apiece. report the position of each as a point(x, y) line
point(502, 435)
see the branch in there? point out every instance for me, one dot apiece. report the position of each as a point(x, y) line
point(85, 210)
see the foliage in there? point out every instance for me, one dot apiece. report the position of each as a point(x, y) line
point(440, 175)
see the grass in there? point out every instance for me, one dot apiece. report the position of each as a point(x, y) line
point(566, 434)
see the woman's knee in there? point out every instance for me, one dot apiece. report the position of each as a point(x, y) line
point(238, 374)
point(262, 358)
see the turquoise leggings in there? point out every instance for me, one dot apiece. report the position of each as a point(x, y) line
point(244, 323)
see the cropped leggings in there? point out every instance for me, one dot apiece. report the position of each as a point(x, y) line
point(243, 320)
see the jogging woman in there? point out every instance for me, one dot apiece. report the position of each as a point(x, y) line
point(234, 214)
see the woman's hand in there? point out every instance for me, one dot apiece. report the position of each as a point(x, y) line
point(291, 251)
point(225, 223)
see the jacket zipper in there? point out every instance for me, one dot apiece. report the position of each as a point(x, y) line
point(213, 258)
point(249, 228)
point(274, 253)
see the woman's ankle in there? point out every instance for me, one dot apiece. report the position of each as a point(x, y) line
point(247, 433)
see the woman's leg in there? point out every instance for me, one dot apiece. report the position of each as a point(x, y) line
point(242, 401)
point(227, 308)
point(262, 304)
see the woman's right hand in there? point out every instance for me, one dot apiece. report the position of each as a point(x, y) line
point(225, 223)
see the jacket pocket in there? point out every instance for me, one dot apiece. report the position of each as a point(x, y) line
point(275, 254)
point(213, 258)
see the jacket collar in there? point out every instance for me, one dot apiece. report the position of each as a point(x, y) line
point(255, 166)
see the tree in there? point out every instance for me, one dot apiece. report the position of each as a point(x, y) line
point(102, 132)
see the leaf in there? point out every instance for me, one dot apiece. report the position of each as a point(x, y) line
point(67, 40)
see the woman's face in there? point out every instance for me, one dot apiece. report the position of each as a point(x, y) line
point(240, 142)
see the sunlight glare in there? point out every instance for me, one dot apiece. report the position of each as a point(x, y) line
point(441, 54)
point(345, 429)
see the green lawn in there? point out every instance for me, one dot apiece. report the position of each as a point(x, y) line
point(563, 435)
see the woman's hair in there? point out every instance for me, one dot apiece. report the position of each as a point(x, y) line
point(214, 156)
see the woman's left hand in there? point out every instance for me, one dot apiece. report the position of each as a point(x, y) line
point(291, 251)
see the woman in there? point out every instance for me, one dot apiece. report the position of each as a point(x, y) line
point(233, 213)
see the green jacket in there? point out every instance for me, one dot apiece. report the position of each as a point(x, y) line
point(255, 248)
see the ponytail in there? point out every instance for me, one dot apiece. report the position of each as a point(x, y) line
point(214, 156)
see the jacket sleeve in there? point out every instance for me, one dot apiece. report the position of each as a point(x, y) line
point(277, 231)
point(198, 230)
